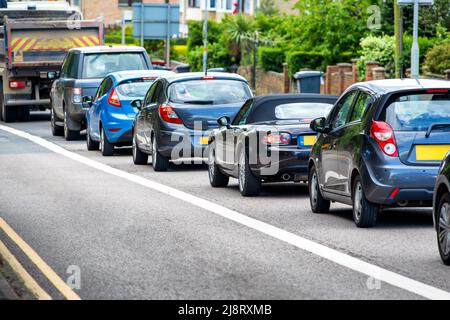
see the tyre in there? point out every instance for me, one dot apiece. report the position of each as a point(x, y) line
point(69, 135)
point(216, 178)
point(159, 162)
point(57, 131)
point(316, 200)
point(139, 157)
point(106, 147)
point(443, 229)
point(249, 185)
point(364, 212)
point(23, 114)
point(91, 144)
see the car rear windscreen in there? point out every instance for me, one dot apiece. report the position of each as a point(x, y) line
point(98, 65)
point(209, 92)
point(134, 88)
point(416, 112)
point(303, 111)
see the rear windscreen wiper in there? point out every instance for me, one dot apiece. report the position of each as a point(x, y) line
point(199, 102)
point(435, 126)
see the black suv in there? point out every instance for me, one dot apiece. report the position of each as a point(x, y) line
point(381, 146)
point(82, 72)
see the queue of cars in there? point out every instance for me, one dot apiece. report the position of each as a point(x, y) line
point(379, 145)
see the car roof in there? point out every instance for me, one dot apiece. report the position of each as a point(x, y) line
point(199, 75)
point(107, 49)
point(134, 74)
point(300, 96)
point(394, 85)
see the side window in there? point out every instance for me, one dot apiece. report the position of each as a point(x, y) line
point(156, 93)
point(150, 92)
point(342, 110)
point(361, 105)
point(104, 88)
point(242, 115)
point(72, 70)
point(66, 65)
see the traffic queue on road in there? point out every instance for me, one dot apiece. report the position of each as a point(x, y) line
point(381, 144)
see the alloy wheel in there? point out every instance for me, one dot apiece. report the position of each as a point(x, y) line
point(242, 171)
point(444, 228)
point(357, 202)
point(314, 188)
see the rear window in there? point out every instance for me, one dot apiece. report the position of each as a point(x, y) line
point(416, 112)
point(99, 65)
point(134, 88)
point(209, 92)
point(304, 111)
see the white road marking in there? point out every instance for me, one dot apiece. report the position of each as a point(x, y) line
point(320, 250)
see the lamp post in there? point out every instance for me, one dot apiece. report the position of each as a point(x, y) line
point(205, 39)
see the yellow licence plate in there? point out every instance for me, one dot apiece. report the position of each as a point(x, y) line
point(309, 140)
point(432, 152)
point(204, 140)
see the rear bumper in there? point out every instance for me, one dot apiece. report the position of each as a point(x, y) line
point(290, 161)
point(394, 184)
point(183, 143)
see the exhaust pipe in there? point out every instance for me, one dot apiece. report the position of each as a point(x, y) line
point(402, 203)
point(286, 177)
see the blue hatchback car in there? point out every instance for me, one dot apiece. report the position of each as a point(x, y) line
point(111, 114)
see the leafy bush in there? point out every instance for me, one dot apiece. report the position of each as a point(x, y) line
point(179, 52)
point(425, 44)
point(196, 33)
point(271, 59)
point(438, 58)
point(298, 60)
point(218, 57)
point(379, 49)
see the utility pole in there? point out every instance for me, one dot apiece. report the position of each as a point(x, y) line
point(415, 47)
point(205, 39)
point(168, 34)
point(142, 24)
point(398, 40)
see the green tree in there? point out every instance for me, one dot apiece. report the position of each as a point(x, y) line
point(267, 7)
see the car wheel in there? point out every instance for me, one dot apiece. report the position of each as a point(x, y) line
point(443, 229)
point(364, 212)
point(139, 157)
point(216, 178)
point(69, 135)
point(318, 203)
point(159, 162)
point(106, 147)
point(249, 185)
point(91, 144)
point(56, 130)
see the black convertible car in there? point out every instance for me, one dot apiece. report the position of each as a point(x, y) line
point(269, 140)
point(441, 214)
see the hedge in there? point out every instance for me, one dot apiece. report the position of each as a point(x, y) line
point(438, 58)
point(271, 59)
point(298, 60)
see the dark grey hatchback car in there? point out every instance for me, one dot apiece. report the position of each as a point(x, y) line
point(381, 146)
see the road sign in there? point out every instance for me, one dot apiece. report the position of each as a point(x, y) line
point(154, 22)
point(421, 2)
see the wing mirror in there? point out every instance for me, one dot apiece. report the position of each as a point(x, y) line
point(137, 104)
point(52, 75)
point(88, 100)
point(319, 125)
point(224, 122)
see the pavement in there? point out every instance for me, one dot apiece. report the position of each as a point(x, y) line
point(128, 241)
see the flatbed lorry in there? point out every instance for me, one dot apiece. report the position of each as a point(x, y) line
point(35, 37)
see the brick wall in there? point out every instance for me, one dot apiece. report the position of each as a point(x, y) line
point(268, 82)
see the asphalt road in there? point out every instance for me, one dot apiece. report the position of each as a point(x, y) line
point(133, 242)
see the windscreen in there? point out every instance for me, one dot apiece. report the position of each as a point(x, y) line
point(99, 65)
point(134, 88)
point(416, 112)
point(303, 111)
point(209, 92)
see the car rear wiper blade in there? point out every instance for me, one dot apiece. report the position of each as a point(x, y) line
point(199, 102)
point(435, 126)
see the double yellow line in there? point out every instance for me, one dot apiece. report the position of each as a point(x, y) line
point(43, 267)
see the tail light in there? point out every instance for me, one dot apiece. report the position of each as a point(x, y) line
point(76, 96)
point(17, 84)
point(113, 99)
point(277, 139)
point(384, 135)
point(168, 114)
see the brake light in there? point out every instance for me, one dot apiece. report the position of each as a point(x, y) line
point(168, 114)
point(113, 99)
point(437, 91)
point(277, 138)
point(384, 135)
point(77, 95)
point(17, 84)
point(208, 78)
